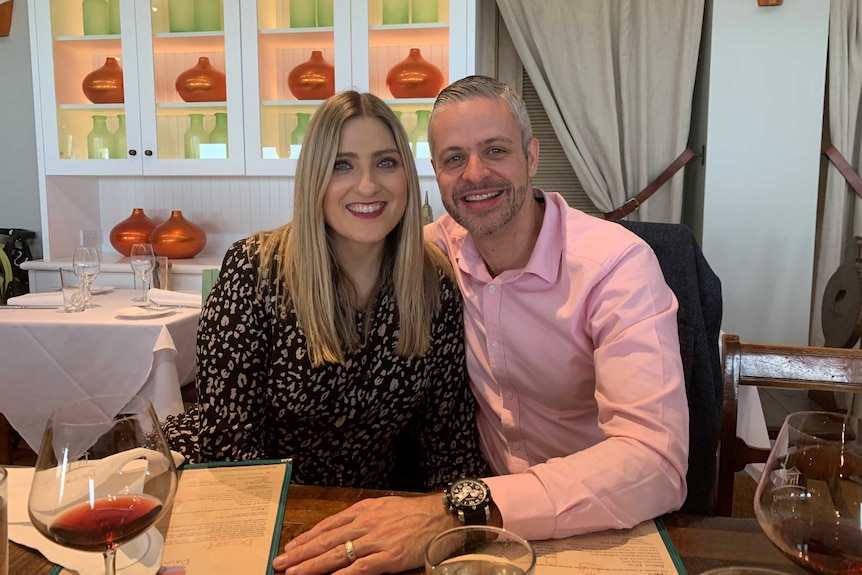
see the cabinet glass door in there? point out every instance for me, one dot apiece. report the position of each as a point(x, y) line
point(296, 54)
point(85, 63)
point(408, 49)
point(190, 62)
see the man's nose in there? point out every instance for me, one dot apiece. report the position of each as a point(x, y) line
point(475, 169)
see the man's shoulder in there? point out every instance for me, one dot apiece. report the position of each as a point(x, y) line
point(446, 233)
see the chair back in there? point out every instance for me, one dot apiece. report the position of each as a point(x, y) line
point(698, 291)
point(776, 366)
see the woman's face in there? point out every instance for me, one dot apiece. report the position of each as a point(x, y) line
point(367, 193)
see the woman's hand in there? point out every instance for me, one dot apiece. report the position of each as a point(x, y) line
point(388, 536)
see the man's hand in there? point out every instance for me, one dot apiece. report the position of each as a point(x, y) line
point(389, 535)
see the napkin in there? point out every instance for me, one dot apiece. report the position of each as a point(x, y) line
point(166, 297)
point(141, 556)
point(46, 298)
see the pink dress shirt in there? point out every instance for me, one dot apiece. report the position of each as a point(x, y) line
point(575, 363)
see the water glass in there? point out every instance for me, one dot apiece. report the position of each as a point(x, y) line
point(4, 524)
point(74, 297)
point(479, 550)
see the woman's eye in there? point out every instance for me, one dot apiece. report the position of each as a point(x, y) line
point(341, 165)
point(388, 163)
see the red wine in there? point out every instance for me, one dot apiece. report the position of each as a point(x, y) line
point(824, 547)
point(106, 523)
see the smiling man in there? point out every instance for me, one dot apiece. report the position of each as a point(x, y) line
point(572, 351)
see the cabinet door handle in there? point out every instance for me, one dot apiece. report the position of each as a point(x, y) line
point(148, 152)
point(133, 152)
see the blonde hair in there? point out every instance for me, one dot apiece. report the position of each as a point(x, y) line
point(306, 270)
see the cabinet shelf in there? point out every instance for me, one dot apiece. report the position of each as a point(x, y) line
point(176, 42)
point(408, 34)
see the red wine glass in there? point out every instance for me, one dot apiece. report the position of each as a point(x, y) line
point(809, 497)
point(103, 476)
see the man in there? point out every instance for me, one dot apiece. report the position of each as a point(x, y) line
point(572, 349)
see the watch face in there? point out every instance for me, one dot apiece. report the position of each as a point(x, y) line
point(468, 493)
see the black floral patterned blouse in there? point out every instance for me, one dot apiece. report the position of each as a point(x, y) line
point(259, 397)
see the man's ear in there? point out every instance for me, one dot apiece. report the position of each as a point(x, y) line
point(533, 157)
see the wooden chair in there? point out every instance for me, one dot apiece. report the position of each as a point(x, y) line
point(785, 367)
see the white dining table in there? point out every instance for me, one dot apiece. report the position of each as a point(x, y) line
point(49, 357)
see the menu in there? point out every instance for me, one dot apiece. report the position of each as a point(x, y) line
point(645, 549)
point(226, 518)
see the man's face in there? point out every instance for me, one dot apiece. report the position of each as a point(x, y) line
point(482, 171)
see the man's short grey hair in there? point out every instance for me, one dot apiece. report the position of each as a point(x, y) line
point(473, 87)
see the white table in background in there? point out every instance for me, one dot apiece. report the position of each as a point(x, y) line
point(49, 357)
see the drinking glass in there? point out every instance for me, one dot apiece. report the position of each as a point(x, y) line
point(103, 476)
point(143, 262)
point(479, 550)
point(87, 265)
point(809, 494)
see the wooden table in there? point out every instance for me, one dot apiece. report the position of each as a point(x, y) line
point(702, 542)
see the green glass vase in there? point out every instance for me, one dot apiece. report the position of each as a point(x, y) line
point(423, 11)
point(181, 15)
point(325, 17)
point(114, 17)
point(119, 149)
point(396, 11)
point(298, 134)
point(219, 132)
point(207, 15)
point(194, 137)
point(419, 135)
point(96, 21)
point(99, 140)
point(303, 14)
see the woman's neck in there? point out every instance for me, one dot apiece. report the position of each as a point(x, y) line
point(362, 267)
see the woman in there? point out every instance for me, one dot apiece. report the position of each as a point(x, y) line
point(338, 336)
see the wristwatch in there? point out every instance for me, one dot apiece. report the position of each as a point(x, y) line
point(470, 500)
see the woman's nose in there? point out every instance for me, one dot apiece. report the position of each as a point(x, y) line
point(367, 182)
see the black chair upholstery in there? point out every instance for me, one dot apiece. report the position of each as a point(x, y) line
point(698, 290)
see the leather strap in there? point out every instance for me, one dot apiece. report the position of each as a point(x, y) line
point(845, 168)
point(633, 204)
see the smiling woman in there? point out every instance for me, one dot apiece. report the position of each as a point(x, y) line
point(337, 338)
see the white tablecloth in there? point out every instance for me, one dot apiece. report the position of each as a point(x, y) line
point(49, 357)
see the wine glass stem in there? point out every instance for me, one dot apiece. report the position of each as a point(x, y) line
point(144, 288)
point(110, 562)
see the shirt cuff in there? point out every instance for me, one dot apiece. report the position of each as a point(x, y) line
point(524, 505)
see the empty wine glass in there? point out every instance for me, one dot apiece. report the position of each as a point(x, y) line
point(809, 497)
point(86, 263)
point(143, 262)
point(104, 475)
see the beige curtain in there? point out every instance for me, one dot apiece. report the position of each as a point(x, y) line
point(842, 209)
point(616, 79)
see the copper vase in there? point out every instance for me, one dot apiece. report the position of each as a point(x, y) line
point(313, 79)
point(414, 77)
point(202, 83)
point(105, 85)
point(135, 229)
point(178, 238)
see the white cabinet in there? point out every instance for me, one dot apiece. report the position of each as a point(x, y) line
point(252, 188)
point(362, 49)
point(156, 118)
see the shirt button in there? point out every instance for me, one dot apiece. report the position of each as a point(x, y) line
point(492, 289)
point(507, 394)
point(516, 446)
point(495, 345)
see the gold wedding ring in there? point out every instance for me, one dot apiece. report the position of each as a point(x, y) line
point(350, 550)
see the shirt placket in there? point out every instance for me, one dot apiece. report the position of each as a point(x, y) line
point(496, 346)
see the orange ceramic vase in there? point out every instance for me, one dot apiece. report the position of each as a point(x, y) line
point(312, 80)
point(105, 85)
point(414, 77)
point(178, 238)
point(135, 229)
point(202, 83)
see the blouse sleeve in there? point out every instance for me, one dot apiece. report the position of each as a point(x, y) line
point(447, 428)
point(232, 372)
